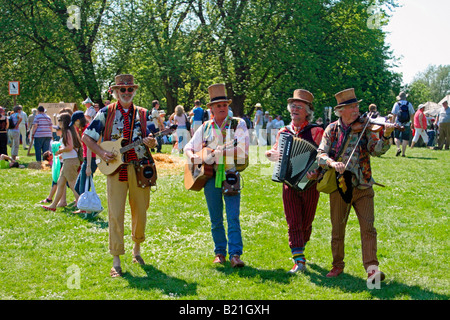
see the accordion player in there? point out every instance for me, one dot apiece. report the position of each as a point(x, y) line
point(297, 157)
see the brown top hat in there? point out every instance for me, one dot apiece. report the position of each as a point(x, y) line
point(302, 95)
point(346, 97)
point(217, 93)
point(124, 80)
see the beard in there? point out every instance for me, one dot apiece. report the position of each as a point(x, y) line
point(125, 97)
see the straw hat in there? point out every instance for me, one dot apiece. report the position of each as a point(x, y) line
point(88, 100)
point(217, 93)
point(124, 80)
point(345, 98)
point(303, 95)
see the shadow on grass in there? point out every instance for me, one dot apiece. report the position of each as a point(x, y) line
point(156, 279)
point(277, 275)
point(390, 289)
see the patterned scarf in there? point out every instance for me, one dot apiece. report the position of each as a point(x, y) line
point(127, 134)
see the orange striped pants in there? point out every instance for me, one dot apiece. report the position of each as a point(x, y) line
point(363, 204)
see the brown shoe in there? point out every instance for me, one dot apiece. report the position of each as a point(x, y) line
point(236, 262)
point(335, 271)
point(220, 258)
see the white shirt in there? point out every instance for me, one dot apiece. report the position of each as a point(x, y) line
point(212, 140)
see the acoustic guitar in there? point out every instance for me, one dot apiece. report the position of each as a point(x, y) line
point(118, 149)
point(197, 174)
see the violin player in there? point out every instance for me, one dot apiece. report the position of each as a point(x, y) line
point(355, 159)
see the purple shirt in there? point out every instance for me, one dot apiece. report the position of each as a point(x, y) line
point(44, 126)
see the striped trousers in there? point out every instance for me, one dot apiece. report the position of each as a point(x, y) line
point(300, 210)
point(362, 202)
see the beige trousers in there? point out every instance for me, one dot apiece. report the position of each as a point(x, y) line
point(139, 200)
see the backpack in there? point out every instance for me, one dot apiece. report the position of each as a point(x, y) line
point(403, 115)
point(12, 124)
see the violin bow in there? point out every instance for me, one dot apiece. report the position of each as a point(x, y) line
point(357, 142)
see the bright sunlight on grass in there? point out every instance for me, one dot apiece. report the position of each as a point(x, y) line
point(42, 251)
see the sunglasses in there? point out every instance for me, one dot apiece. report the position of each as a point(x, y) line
point(125, 90)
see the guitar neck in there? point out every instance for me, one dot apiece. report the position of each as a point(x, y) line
point(130, 146)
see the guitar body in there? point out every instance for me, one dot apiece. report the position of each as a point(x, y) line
point(112, 166)
point(196, 175)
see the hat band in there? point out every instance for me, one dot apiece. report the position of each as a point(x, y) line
point(354, 100)
point(219, 98)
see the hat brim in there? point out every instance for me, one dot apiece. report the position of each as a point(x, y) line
point(347, 104)
point(302, 100)
point(125, 85)
point(216, 101)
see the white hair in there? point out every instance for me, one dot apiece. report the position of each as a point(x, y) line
point(309, 112)
point(337, 112)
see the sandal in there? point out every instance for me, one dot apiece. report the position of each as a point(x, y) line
point(138, 259)
point(115, 272)
point(47, 200)
point(48, 208)
point(80, 212)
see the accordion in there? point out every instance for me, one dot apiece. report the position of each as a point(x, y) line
point(297, 157)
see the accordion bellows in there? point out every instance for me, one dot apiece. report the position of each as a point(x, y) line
point(297, 157)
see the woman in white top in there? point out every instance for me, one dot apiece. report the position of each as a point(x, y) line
point(69, 153)
point(183, 134)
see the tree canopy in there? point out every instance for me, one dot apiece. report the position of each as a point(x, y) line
point(262, 50)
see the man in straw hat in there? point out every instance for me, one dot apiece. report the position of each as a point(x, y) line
point(299, 207)
point(123, 120)
point(335, 150)
point(220, 130)
point(403, 112)
point(90, 110)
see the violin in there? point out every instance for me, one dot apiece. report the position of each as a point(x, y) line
point(372, 124)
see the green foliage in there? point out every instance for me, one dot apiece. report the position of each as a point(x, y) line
point(41, 251)
point(262, 51)
point(431, 85)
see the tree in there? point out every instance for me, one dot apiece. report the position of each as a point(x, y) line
point(47, 34)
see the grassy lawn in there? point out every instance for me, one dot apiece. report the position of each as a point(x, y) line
point(62, 256)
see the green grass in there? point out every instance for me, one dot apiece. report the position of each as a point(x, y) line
point(38, 249)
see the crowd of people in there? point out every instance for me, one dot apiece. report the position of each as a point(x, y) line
point(342, 151)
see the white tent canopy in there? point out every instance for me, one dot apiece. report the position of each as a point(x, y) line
point(446, 98)
point(431, 109)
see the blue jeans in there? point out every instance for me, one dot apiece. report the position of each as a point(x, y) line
point(214, 201)
point(81, 180)
point(41, 145)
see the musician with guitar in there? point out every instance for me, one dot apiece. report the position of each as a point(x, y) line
point(217, 146)
point(354, 147)
point(299, 206)
point(125, 123)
